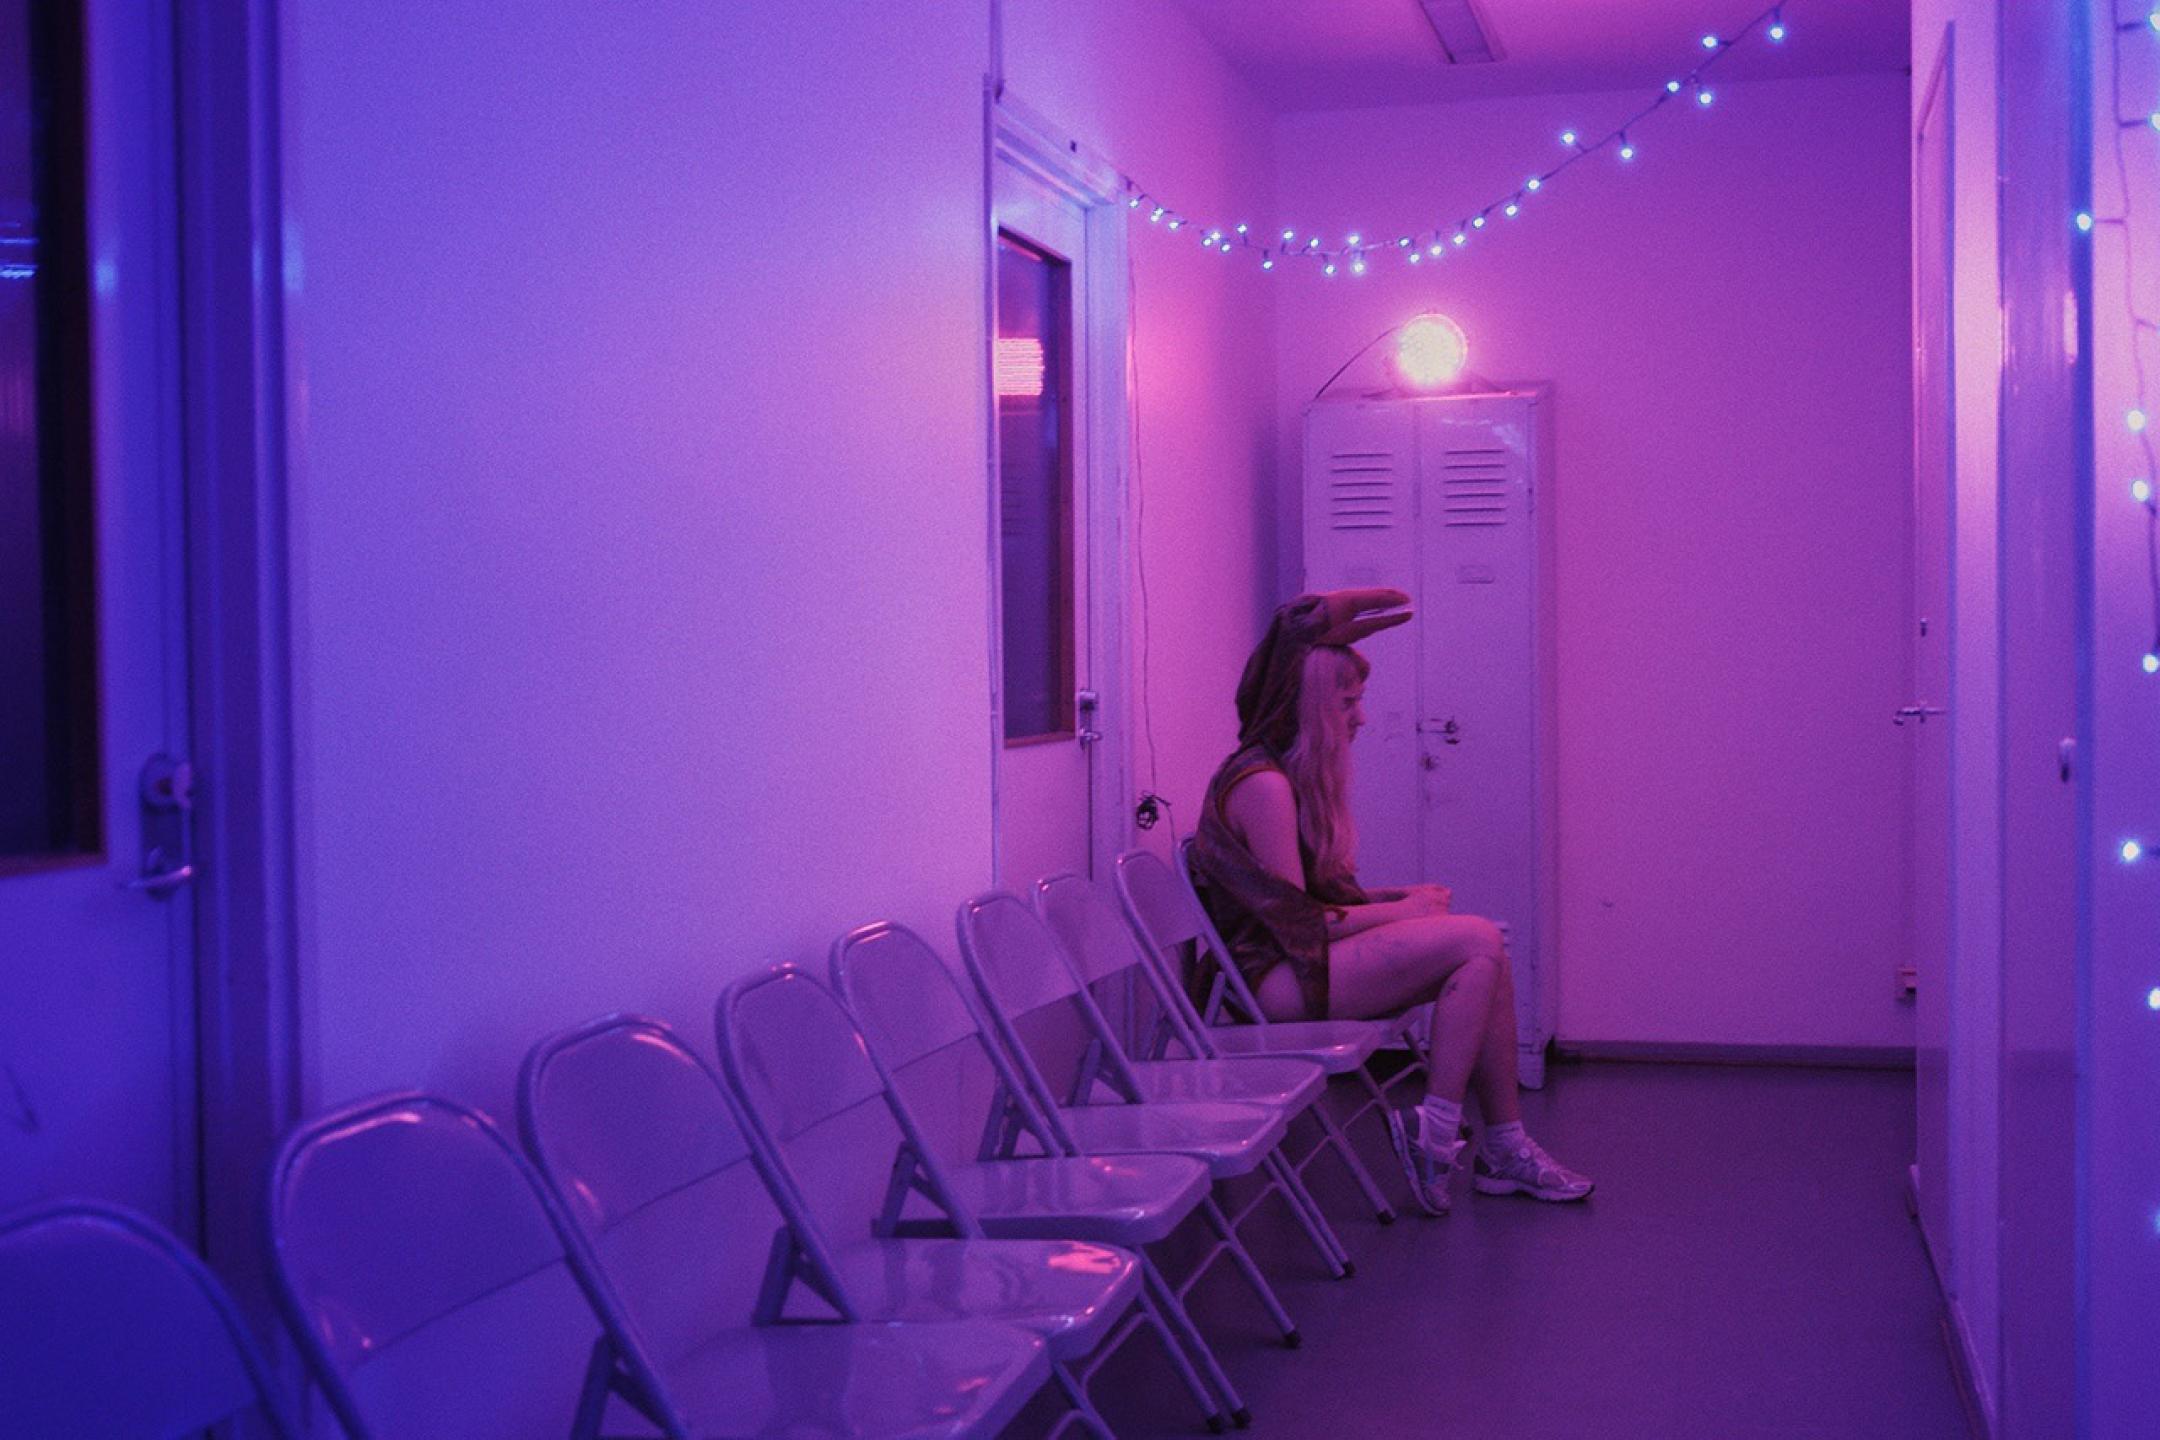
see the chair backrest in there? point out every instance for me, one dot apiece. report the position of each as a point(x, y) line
point(1025, 979)
point(639, 1143)
point(1166, 913)
point(1102, 947)
point(425, 1273)
point(815, 1102)
point(109, 1327)
point(933, 1042)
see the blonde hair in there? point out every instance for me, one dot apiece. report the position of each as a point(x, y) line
point(1318, 762)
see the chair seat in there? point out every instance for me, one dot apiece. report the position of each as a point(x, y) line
point(1231, 1138)
point(1122, 1200)
point(1340, 1046)
point(1068, 1292)
point(850, 1382)
point(1289, 1082)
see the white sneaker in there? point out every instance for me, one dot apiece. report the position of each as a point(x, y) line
point(1427, 1168)
point(1529, 1171)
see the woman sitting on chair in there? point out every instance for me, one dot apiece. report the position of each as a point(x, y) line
point(1274, 858)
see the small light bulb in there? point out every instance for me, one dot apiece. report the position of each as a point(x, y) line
point(1709, 42)
point(1403, 242)
point(1243, 228)
point(2150, 664)
point(1478, 224)
point(1777, 31)
point(1133, 204)
point(1159, 212)
point(1436, 248)
point(1415, 257)
point(1705, 95)
point(1175, 223)
point(2085, 220)
point(1212, 237)
point(2136, 421)
point(2152, 1002)
point(1535, 184)
point(1267, 264)
point(1357, 267)
point(1567, 137)
point(1329, 268)
point(2153, 120)
point(1509, 209)
point(1627, 152)
point(2141, 490)
point(1227, 247)
point(2131, 851)
point(1289, 235)
point(2153, 19)
point(1672, 87)
point(1355, 237)
point(1311, 241)
point(1461, 238)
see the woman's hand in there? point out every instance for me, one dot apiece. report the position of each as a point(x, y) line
point(1432, 899)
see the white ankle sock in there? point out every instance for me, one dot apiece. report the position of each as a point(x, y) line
point(1439, 1122)
point(1501, 1141)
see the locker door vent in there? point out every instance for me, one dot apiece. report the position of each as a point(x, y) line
point(1474, 488)
point(1361, 490)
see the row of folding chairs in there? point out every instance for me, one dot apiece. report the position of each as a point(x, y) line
point(811, 1238)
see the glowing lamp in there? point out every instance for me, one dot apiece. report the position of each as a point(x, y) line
point(2131, 852)
point(2085, 220)
point(1430, 351)
point(1777, 31)
point(2151, 663)
point(1018, 363)
point(2141, 491)
point(1627, 151)
point(2135, 420)
point(1705, 96)
point(1709, 42)
point(2152, 1002)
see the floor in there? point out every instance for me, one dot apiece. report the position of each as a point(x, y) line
point(1746, 1271)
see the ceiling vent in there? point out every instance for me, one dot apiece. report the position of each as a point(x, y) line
point(1464, 37)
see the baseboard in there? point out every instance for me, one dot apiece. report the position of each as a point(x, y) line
point(1965, 1371)
point(1690, 1052)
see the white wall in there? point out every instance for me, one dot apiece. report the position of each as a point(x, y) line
point(1725, 320)
point(637, 377)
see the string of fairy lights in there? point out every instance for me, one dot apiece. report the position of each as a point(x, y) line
point(1357, 253)
point(2145, 486)
point(2140, 327)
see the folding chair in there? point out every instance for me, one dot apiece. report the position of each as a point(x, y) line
point(1165, 915)
point(930, 1044)
point(1103, 950)
point(1023, 976)
point(425, 1273)
point(110, 1327)
point(640, 1144)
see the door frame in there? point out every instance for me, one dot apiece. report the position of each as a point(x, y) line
point(233, 261)
point(1015, 134)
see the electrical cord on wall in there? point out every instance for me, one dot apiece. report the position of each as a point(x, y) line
point(1152, 805)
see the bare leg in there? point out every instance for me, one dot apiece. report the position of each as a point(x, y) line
point(1454, 961)
point(1495, 1076)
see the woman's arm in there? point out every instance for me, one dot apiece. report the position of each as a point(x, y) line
point(1263, 811)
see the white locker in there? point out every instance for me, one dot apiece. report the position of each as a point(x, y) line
point(1439, 496)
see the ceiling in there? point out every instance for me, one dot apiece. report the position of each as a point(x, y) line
point(1351, 54)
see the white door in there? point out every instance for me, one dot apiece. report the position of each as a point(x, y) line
point(1478, 721)
point(1927, 728)
point(1040, 363)
point(97, 1060)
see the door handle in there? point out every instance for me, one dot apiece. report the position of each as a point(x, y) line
point(163, 883)
point(1919, 713)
